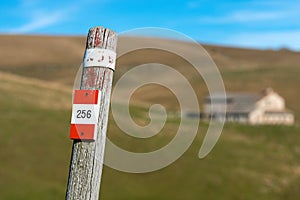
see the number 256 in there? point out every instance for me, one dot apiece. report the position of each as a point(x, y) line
point(84, 114)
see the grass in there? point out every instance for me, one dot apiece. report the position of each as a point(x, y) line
point(248, 162)
point(34, 153)
point(34, 148)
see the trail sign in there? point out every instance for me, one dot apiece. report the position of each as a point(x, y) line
point(85, 112)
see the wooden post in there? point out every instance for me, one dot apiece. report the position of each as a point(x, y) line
point(87, 157)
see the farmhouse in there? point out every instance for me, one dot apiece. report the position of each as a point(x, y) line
point(265, 108)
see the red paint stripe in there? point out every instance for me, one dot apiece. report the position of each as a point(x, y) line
point(86, 96)
point(82, 131)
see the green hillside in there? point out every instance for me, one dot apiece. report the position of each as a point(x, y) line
point(57, 59)
point(248, 162)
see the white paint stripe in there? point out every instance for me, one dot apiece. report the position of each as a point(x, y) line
point(99, 58)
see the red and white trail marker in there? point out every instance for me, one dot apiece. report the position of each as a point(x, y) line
point(85, 112)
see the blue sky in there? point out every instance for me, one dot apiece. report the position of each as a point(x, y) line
point(249, 23)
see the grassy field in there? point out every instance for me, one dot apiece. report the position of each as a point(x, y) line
point(248, 162)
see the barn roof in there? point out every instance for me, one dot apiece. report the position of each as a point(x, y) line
point(236, 102)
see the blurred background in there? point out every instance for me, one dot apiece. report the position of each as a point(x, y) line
point(254, 44)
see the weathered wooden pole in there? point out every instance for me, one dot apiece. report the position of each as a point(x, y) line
point(87, 156)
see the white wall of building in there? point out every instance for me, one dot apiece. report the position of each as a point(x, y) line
point(272, 101)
